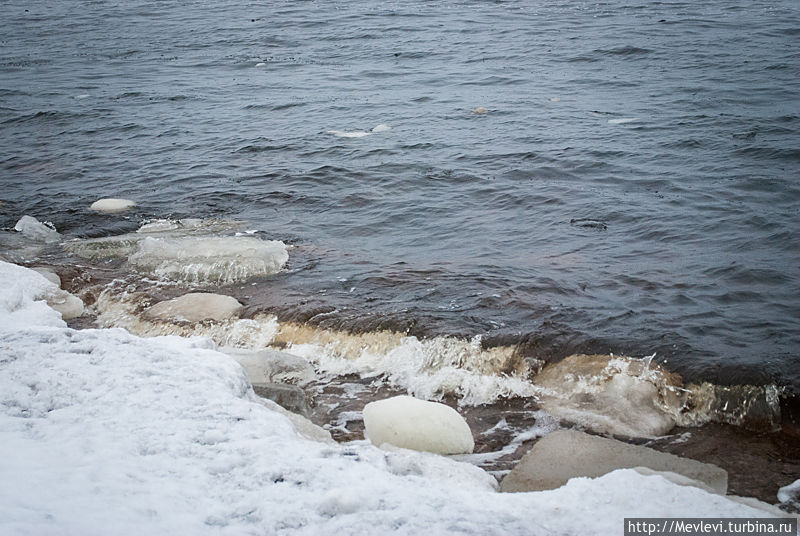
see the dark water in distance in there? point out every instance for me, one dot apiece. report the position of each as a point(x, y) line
point(553, 221)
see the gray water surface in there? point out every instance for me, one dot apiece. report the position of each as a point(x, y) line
point(633, 188)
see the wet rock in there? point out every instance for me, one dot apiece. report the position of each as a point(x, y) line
point(194, 307)
point(566, 454)
point(289, 397)
point(407, 422)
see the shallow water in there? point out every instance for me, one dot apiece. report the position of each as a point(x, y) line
point(633, 187)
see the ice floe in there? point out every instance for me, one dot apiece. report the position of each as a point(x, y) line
point(112, 205)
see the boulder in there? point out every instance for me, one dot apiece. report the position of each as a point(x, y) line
point(267, 365)
point(566, 454)
point(112, 205)
point(289, 397)
point(194, 307)
point(407, 422)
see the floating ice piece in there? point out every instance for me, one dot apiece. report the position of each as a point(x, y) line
point(195, 307)
point(480, 110)
point(359, 133)
point(260, 64)
point(112, 205)
point(33, 229)
point(555, 99)
point(407, 422)
point(82, 96)
point(566, 454)
point(218, 260)
point(622, 120)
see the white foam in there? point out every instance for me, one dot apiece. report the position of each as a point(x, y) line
point(112, 205)
point(622, 120)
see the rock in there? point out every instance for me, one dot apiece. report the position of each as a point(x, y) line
point(612, 394)
point(112, 205)
point(267, 365)
point(303, 426)
point(194, 307)
point(480, 110)
point(48, 274)
point(33, 229)
point(566, 454)
point(289, 397)
point(65, 303)
point(410, 423)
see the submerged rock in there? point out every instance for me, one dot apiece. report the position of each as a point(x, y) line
point(567, 454)
point(194, 307)
point(112, 205)
point(407, 422)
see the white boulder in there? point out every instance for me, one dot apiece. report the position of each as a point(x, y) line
point(112, 205)
point(410, 423)
point(194, 307)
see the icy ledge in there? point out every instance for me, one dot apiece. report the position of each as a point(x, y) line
point(104, 431)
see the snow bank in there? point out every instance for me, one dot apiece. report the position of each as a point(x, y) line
point(102, 431)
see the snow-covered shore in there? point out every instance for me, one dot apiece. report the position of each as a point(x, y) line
point(105, 432)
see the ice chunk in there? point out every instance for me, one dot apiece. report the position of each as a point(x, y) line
point(267, 365)
point(67, 304)
point(220, 260)
point(608, 394)
point(33, 229)
point(112, 205)
point(566, 454)
point(480, 110)
point(408, 422)
point(195, 307)
point(790, 494)
point(381, 128)
point(621, 120)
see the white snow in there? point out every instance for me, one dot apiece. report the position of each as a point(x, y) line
point(112, 205)
point(408, 422)
point(104, 432)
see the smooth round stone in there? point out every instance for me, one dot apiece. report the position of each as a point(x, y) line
point(407, 422)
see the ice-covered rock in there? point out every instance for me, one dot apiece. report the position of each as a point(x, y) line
point(268, 366)
point(608, 394)
point(790, 495)
point(408, 422)
point(194, 307)
point(69, 305)
point(221, 260)
point(112, 205)
point(290, 397)
point(33, 229)
point(48, 274)
point(565, 454)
